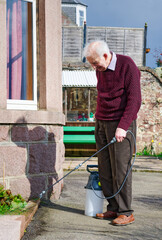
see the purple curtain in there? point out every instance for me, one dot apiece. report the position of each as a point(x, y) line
point(16, 49)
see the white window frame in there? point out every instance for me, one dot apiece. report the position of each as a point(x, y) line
point(81, 18)
point(29, 104)
point(83, 9)
point(78, 7)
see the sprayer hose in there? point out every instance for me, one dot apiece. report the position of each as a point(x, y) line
point(112, 196)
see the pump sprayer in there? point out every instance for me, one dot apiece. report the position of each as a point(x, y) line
point(95, 193)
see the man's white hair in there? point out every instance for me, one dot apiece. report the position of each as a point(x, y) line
point(99, 47)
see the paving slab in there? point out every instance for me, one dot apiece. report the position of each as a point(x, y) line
point(11, 227)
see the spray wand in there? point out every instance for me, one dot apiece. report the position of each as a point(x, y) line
point(78, 166)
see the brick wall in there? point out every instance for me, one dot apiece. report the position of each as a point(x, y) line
point(31, 158)
point(149, 117)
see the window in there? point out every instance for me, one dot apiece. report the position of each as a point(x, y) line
point(21, 55)
point(79, 104)
point(81, 18)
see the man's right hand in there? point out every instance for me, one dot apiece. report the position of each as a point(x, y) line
point(120, 134)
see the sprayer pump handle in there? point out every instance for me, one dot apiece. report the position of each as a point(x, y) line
point(92, 166)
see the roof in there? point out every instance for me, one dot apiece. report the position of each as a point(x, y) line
point(79, 79)
point(73, 2)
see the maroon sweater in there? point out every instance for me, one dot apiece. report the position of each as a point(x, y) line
point(119, 93)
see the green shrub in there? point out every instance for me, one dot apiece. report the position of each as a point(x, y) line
point(148, 152)
point(9, 202)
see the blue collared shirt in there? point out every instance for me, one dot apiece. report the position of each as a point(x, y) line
point(112, 64)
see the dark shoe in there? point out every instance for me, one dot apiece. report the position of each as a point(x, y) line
point(106, 215)
point(123, 220)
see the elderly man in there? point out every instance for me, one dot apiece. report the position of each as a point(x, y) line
point(118, 101)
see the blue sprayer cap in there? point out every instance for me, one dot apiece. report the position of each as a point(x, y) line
point(93, 180)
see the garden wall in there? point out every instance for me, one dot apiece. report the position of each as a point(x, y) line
point(149, 130)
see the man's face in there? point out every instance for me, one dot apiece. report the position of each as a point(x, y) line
point(99, 63)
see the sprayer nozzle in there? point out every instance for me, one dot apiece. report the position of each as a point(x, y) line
point(41, 195)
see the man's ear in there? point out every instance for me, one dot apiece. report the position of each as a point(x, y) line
point(105, 56)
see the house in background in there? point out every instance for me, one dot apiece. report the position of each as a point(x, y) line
point(75, 11)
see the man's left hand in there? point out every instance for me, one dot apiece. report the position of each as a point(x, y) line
point(120, 134)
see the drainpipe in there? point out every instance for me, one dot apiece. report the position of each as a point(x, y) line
point(145, 42)
point(84, 38)
point(89, 102)
point(65, 105)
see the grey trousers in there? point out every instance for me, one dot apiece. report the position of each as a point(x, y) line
point(113, 163)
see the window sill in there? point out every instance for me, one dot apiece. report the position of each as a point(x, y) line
point(21, 105)
point(31, 117)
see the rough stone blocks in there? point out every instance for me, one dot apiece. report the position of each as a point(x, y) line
point(4, 133)
point(13, 160)
point(31, 158)
point(29, 187)
point(28, 134)
point(42, 158)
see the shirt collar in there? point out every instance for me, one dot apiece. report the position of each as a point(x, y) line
point(112, 64)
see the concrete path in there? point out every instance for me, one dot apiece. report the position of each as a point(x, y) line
point(64, 219)
point(146, 163)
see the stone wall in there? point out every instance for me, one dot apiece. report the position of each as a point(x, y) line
point(149, 117)
point(31, 158)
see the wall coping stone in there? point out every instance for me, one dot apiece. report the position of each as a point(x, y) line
point(152, 71)
point(76, 66)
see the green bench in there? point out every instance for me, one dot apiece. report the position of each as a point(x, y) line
point(74, 134)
